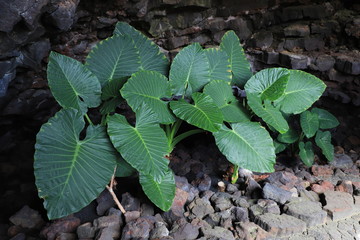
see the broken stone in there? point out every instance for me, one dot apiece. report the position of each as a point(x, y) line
point(262, 39)
point(241, 27)
point(221, 200)
point(294, 43)
point(322, 187)
point(280, 225)
point(297, 30)
point(308, 211)
point(345, 186)
point(339, 205)
point(131, 216)
point(64, 225)
point(202, 182)
point(270, 57)
point(67, 236)
point(240, 214)
point(249, 230)
point(140, 228)
point(231, 188)
point(183, 230)
point(105, 202)
point(159, 231)
point(293, 60)
point(200, 208)
point(324, 62)
point(217, 232)
point(348, 65)
point(262, 207)
point(27, 218)
point(275, 193)
point(342, 161)
point(322, 171)
point(314, 43)
point(130, 203)
point(85, 230)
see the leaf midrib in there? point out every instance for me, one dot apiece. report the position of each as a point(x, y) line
point(232, 130)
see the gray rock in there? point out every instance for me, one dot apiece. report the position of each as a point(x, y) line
point(159, 231)
point(217, 232)
point(200, 208)
point(293, 43)
point(342, 161)
point(253, 189)
point(68, 236)
point(63, 15)
point(262, 39)
point(202, 182)
point(297, 30)
point(104, 203)
point(314, 43)
point(27, 218)
point(231, 188)
point(262, 207)
point(280, 225)
point(213, 219)
point(294, 61)
point(308, 211)
point(324, 62)
point(270, 57)
point(138, 229)
point(86, 230)
point(183, 230)
point(240, 214)
point(221, 201)
point(339, 205)
point(130, 203)
point(131, 216)
point(348, 65)
point(107, 221)
point(241, 201)
point(147, 210)
point(241, 27)
point(275, 193)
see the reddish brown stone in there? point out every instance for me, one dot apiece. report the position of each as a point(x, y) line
point(345, 186)
point(179, 201)
point(322, 187)
point(63, 225)
point(322, 170)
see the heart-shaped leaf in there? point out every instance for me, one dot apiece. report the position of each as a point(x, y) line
point(113, 58)
point(72, 84)
point(269, 83)
point(203, 114)
point(247, 145)
point(69, 172)
point(326, 119)
point(323, 141)
point(302, 90)
point(124, 169)
point(219, 64)
point(189, 71)
point(306, 153)
point(144, 146)
point(149, 87)
point(160, 193)
point(309, 123)
point(151, 58)
point(268, 113)
point(289, 137)
point(239, 64)
point(223, 97)
point(279, 147)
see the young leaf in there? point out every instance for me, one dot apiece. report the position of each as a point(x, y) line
point(111, 95)
point(69, 172)
point(268, 113)
point(302, 90)
point(269, 83)
point(279, 147)
point(309, 123)
point(306, 153)
point(189, 71)
point(323, 141)
point(144, 146)
point(160, 193)
point(72, 85)
point(239, 64)
point(150, 56)
point(219, 64)
point(326, 119)
point(223, 97)
point(113, 58)
point(289, 137)
point(204, 114)
point(247, 145)
point(149, 87)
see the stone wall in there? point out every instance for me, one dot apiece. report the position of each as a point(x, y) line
point(322, 37)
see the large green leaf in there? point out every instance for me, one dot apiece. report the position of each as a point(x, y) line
point(149, 87)
point(289, 137)
point(223, 97)
point(70, 172)
point(189, 71)
point(110, 105)
point(268, 83)
point(150, 56)
point(306, 153)
point(323, 140)
point(268, 113)
point(160, 193)
point(247, 145)
point(309, 123)
point(111, 95)
point(124, 169)
point(302, 90)
point(113, 58)
point(239, 65)
point(72, 85)
point(326, 119)
point(279, 147)
point(203, 114)
point(144, 146)
point(219, 64)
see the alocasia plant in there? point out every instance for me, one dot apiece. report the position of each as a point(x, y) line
point(73, 166)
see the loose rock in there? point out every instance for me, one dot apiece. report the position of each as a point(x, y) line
point(308, 211)
point(275, 193)
point(27, 218)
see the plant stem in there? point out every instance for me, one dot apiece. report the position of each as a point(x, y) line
point(235, 175)
point(111, 190)
point(177, 139)
point(88, 119)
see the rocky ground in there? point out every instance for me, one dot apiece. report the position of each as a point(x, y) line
point(321, 202)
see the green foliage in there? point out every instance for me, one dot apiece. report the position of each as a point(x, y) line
point(74, 161)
